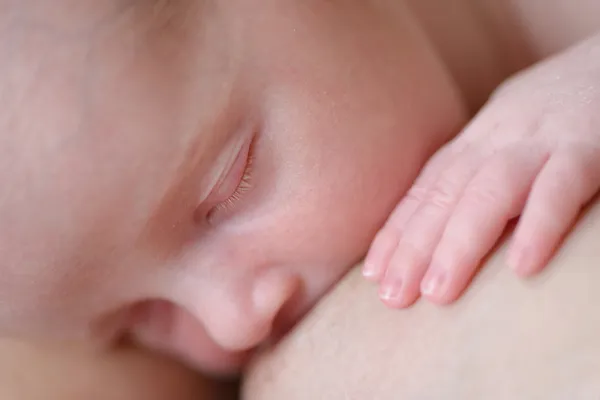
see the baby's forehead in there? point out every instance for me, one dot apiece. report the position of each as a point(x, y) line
point(82, 19)
point(65, 17)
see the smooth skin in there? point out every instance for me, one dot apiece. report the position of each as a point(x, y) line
point(504, 339)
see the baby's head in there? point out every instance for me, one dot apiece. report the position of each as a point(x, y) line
point(199, 173)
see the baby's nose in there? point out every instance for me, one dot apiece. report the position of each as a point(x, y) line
point(241, 321)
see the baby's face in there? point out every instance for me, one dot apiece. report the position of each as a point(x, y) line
point(199, 173)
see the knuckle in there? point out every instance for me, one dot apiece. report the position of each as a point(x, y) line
point(571, 176)
point(500, 185)
point(389, 233)
point(416, 194)
point(577, 168)
point(486, 195)
point(441, 197)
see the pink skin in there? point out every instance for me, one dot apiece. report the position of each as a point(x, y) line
point(126, 129)
point(533, 152)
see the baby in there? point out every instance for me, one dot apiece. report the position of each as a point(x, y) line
point(197, 174)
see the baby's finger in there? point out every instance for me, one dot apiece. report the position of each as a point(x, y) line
point(387, 238)
point(567, 182)
point(400, 285)
point(494, 196)
point(419, 189)
point(380, 253)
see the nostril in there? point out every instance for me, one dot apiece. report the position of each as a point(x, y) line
point(272, 292)
point(287, 317)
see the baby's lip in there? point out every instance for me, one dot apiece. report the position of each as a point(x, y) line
point(165, 327)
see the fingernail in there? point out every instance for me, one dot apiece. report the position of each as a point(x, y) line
point(391, 293)
point(379, 256)
point(434, 283)
point(369, 269)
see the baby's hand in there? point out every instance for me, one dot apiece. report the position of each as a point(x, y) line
point(533, 151)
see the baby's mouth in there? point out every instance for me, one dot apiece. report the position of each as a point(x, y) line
point(167, 328)
point(219, 341)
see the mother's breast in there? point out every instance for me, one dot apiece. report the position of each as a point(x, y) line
point(507, 338)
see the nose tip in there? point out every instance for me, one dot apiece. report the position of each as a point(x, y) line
point(251, 323)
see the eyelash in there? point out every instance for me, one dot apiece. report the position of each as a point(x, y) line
point(243, 187)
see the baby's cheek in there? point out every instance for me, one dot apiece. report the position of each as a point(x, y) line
point(65, 236)
point(324, 226)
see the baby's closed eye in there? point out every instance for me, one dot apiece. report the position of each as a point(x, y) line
point(234, 182)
